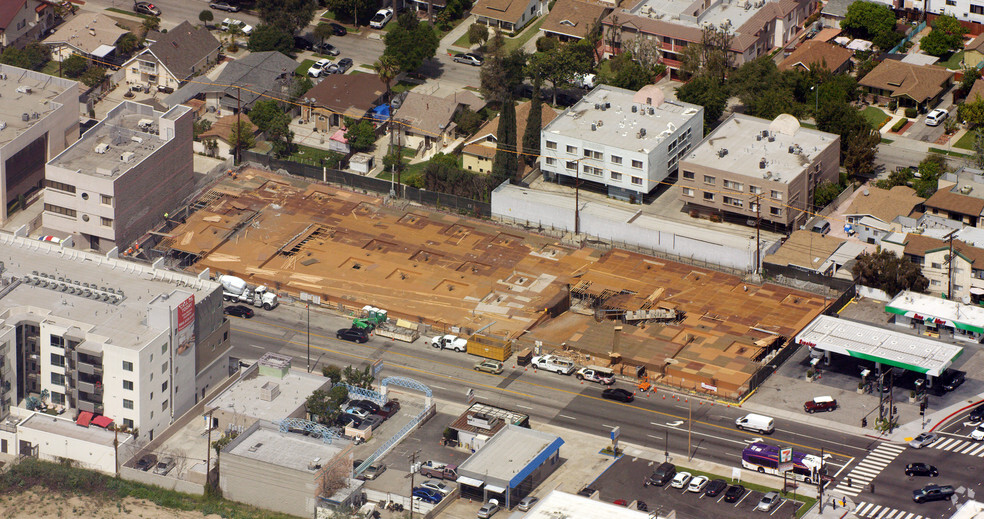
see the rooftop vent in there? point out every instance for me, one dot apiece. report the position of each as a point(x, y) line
point(635, 108)
point(772, 138)
point(722, 152)
point(127, 156)
point(758, 137)
point(23, 90)
point(102, 148)
point(594, 127)
point(256, 447)
point(25, 117)
point(652, 111)
point(314, 464)
point(762, 163)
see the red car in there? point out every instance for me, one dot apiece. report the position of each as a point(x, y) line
point(389, 409)
point(820, 403)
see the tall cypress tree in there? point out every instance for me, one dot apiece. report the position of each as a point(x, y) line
point(506, 161)
point(531, 137)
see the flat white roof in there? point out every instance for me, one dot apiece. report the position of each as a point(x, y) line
point(264, 442)
point(243, 397)
point(69, 429)
point(924, 306)
point(27, 92)
point(876, 344)
point(511, 455)
point(559, 504)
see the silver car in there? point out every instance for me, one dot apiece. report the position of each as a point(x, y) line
point(923, 440)
point(768, 502)
point(527, 503)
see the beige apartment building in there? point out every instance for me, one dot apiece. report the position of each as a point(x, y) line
point(750, 167)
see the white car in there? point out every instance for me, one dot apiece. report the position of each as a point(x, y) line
point(320, 67)
point(244, 28)
point(978, 433)
point(936, 117)
point(697, 484)
point(357, 411)
point(381, 18)
point(680, 480)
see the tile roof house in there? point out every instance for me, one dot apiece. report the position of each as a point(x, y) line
point(873, 210)
point(178, 55)
point(573, 19)
point(23, 21)
point(834, 58)
point(480, 148)
point(921, 86)
point(342, 95)
point(87, 34)
point(974, 52)
point(257, 74)
point(509, 15)
point(975, 91)
point(430, 119)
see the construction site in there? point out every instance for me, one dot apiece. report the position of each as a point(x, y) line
point(665, 322)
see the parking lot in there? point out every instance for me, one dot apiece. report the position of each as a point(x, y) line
point(624, 480)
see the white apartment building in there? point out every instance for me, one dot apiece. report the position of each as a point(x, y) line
point(137, 344)
point(963, 10)
point(626, 142)
point(114, 184)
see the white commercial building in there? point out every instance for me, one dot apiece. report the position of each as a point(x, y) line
point(570, 506)
point(628, 142)
point(54, 438)
point(136, 344)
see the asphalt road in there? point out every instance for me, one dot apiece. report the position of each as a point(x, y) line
point(658, 421)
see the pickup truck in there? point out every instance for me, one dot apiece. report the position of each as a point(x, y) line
point(449, 342)
point(596, 374)
point(553, 363)
point(434, 469)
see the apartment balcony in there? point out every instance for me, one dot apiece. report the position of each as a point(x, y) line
point(93, 389)
point(4, 348)
point(90, 369)
point(92, 407)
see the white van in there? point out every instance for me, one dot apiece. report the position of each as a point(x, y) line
point(756, 422)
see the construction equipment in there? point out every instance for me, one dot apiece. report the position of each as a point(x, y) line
point(236, 289)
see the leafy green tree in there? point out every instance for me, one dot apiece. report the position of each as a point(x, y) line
point(763, 89)
point(705, 91)
point(267, 37)
point(626, 72)
point(930, 170)
point(93, 76)
point(74, 66)
point(411, 42)
point(289, 15)
point(200, 126)
point(127, 43)
point(359, 11)
point(323, 32)
point(946, 36)
point(972, 111)
point(559, 66)
point(711, 56)
point(151, 23)
point(359, 378)
point(264, 112)
point(281, 136)
point(872, 21)
point(478, 33)
point(444, 176)
point(534, 121)
point(493, 75)
point(33, 57)
point(886, 271)
point(899, 177)
point(299, 86)
point(206, 17)
point(825, 193)
point(360, 135)
point(978, 149)
point(505, 161)
point(468, 121)
point(241, 135)
point(322, 406)
point(859, 142)
point(333, 373)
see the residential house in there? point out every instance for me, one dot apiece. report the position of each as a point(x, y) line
point(757, 26)
point(571, 20)
point(508, 15)
point(958, 275)
point(221, 133)
point(959, 197)
point(874, 209)
point(920, 86)
point(755, 168)
point(813, 254)
point(479, 150)
point(177, 56)
point(974, 52)
point(428, 121)
point(90, 35)
point(625, 142)
point(338, 96)
point(967, 11)
point(422, 5)
point(242, 83)
point(832, 57)
point(24, 21)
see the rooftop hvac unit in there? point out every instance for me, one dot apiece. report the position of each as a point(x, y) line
point(652, 111)
point(3, 77)
point(722, 152)
point(635, 108)
point(3, 124)
point(593, 127)
point(758, 137)
point(126, 157)
point(23, 90)
point(102, 148)
point(137, 139)
point(25, 117)
point(792, 149)
point(772, 138)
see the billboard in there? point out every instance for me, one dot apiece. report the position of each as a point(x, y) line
point(184, 335)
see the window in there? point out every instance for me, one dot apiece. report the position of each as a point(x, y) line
point(731, 184)
point(551, 161)
point(106, 222)
point(587, 153)
point(598, 155)
point(616, 176)
point(937, 265)
point(616, 159)
point(58, 379)
point(51, 208)
point(60, 186)
point(164, 348)
point(775, 211)
point(687, 191)
point(572, 165)
point(128, 423)
point(164, 368)
point(127, 365)
point(107, 200)
point(128, 385)
point(951, 2)
point(755, 190)
point(637, 164)
point(730, 200)
point(572, 149)
point(57, 360)
point(57, 341)
point(164, 386)
point(709, 179)
point(689, 175)
point(164, 406)
point(776, 195)
point(57, 398)
point(708, 197)
point(3, 446)
point(637, 181)
point(934, 282)
point(551, 145)
point(127, 404)
point(151, 395)
point(977, 9)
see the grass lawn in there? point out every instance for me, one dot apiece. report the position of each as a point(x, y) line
point(124, 11)
point(308, 155)
point(887, 141)
point(462, 42)
point(525, 36)
point(302, 69)
point(941, 151)
point(953, 62)
point(50, 68)
point(328, 15)
point(402, 86)
point(875, 116)
point(966, 142)
point(368, 66)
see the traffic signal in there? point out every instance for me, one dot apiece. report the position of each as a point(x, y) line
point(922, 407)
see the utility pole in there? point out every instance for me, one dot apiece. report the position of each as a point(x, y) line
point(116, 450)
point(239, 129)
point(949, 268)
point(308, 305)
point(758, 230)
point(690, 422)
point(413, 462)
point(208, 452)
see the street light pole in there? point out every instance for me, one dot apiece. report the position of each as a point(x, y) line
point(308, 305)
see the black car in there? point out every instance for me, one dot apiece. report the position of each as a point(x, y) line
point(303, 43)
point(365, 404)
point(619, 394)
point(734, 493)
point(337, 29)
point(586, 492)
point(661, 476)
point(715, 487)
point(976, 414)
point(145, 462)
point(146, 8)
point(343, 65)
point(239, 311)
point(952, 379)
point(345, 419)
point(932, 493)
point(921, 469)
point(352, 334)
point(224, 6)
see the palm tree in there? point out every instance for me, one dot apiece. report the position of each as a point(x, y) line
point(387, 68)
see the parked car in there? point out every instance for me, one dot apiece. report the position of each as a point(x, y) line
point(344, 64)
point(326, 49)
point(489, 366)
point(229, 23)
point(488, 509)
point(620, 502)
point(338, 29)
point(768, 502)
point(373, 471)
point(357, 412)
point(936, 117)
point(303, 43)
point(734, 493)
point(239, 311)
point(952, 379)
point(680, 480)
point(346, 419)
point(368, 405)
point(428, 495)
point(437, 486)
point(820, 403)
point(921, 469)
point(663, 473)
point(381, 18)
point(715, 487)
point(435, 469)
point(697, 484)
point(224, 6)
point(352, 334)
point(469, 58)
point(372, 421)
point(932, 493)
point(587, 492)
point(146, 462)
point(617, 393)
point(923, 440)
point(976, 414)
point(146, 8)
point(319, 67)
point(164, 466)
point(389, 409)
point(527, 503)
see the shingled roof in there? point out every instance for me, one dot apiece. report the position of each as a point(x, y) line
point(885, 204)
point(573, 18)
point(184, 46)
point(918, 82)
point(350, 94)
point(810, 52)
point(955, 203)
point(503, 10)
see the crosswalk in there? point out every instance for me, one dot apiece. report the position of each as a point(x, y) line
point(868, 469)
point(970, 448)
point(873, 511)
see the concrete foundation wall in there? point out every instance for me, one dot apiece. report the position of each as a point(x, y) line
point(267, 486)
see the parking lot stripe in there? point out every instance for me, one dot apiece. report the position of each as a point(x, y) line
point(565, 416)
point(742, 499)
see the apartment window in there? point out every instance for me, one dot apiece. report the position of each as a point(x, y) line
point(572, 165)
point(637, 164)
point(128, 385)
point(3, 446)
point(587, 153)
point(127, 404)
point(616, 159)
point(164, 386)
point(731, 184)
point(637, 181)
point(164, 406)
point(689, 175)
point(57, 341)
point(951, 2)
point(60, 186)
point(572, 149)
point(755, 190)
point(106, 222)
point(57, 360)
point(127, 365)
point(151, 395)
point(776, 195)
point(107, 200)
point(709, 179)
point(551, 161)
point(57, 398)
point(598, 155)
point(616, 176)
point(164, 368)
point(732, 201)
point(708, 197)
point(937, 265)
point(58, 379)
point(164, 348)
point(551, 145)
point(934, 282)
point(128, 423)
point(775, 211)
point(51, 208)
point(957, 288)
point(688, 192)
point(977, 9)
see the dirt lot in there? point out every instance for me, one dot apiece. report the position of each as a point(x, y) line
point(32, 504)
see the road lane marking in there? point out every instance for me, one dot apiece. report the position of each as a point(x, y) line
point(523, 406)
point(255, 346)
point(565, 416)
point(608, 426)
